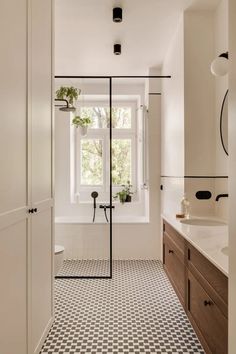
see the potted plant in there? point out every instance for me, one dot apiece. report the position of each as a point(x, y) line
point(125, 195)
point(70, 94)
point(83, 123)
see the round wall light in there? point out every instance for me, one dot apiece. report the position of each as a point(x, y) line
point(220, 65)
point(117, 49)
point(117, 14)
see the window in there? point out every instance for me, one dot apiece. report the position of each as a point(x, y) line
point(121, 161)
point(91, 162)
point(92, 155)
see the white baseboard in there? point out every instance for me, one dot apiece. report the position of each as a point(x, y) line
point(44, 335)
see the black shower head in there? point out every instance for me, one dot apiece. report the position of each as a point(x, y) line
point(94, 194)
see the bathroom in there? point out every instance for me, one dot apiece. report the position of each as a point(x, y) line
point(117, 193)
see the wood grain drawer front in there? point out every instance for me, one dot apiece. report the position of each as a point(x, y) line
point(214, 276)
point(175, 236)
point(205, 314)
point(177, 250)
point(175, 269)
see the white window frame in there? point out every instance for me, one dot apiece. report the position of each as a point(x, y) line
point(84, 191)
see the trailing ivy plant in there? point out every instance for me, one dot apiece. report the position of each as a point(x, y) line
point(70, 94)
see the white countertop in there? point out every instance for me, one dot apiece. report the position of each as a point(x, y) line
point(209, 240)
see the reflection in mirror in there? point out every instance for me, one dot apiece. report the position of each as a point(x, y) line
point(224, 123)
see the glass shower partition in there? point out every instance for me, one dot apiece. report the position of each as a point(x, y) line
point(83, 175)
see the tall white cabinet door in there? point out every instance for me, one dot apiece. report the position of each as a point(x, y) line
point(41, 172)
point(13, 264)
point(41, 100)
point(41, 276)
point(13, 172)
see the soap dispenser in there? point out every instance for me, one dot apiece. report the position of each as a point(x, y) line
point(185, 206)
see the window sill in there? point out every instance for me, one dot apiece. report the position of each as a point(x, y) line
point(100, 220)
point(114, 203)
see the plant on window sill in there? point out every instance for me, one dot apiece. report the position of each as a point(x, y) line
point(125, 195)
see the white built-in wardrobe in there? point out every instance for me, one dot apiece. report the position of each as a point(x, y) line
point(26, 188)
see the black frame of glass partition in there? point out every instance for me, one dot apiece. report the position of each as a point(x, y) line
point(110, 78)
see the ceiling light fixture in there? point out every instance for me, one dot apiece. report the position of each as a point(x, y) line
point(117, 49)
point(220, 65)
point(117, 14)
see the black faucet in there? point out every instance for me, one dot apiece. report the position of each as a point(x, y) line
point(221, 196)
point(105, 207)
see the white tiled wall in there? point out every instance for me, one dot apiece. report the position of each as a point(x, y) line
point(174, 189)
point(203, 206)
point(222, 206)
point(171, 195)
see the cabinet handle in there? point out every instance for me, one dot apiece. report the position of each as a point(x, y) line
point(171, 251)
point(208, 303)
point(31, 211)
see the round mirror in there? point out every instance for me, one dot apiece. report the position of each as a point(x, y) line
point(224, 123)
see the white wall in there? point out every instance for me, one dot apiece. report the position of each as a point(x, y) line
point(172, 124)
point(139, 239)
point(205, 33)
point(199, 94)
point(173, 107)
point(189, 131)
point(232, 177)
point(221, 85)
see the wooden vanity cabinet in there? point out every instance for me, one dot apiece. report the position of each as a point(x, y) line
point(201, 287)
point(206, 317)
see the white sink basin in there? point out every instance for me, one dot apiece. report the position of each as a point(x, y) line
point(225, 251)
point(202, 222)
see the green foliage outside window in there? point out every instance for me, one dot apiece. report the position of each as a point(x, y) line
point(92, 158)
point(100, 117)
point(91, 164)
point(121, 161)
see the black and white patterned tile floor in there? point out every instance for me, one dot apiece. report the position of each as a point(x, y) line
point(85, 268)
point(135, 312)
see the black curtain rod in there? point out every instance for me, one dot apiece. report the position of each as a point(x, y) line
point(112, 77)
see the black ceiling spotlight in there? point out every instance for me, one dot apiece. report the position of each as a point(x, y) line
point(117, 14)
point(117, 49)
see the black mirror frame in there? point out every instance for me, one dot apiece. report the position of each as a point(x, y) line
point(221, 123)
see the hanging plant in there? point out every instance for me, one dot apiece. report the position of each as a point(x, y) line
point(82, 123)
point(70, 94)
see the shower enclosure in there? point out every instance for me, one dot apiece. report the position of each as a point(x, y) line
point(91, 163)
point(83, 174)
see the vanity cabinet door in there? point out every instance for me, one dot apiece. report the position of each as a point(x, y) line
point(198, 264)
point(174, 267)
point(206, 317)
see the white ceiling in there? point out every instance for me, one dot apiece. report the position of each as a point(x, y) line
point(85, 34)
